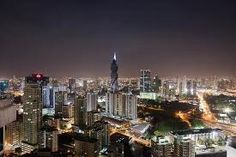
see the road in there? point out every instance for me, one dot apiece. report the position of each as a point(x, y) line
point(210, 120)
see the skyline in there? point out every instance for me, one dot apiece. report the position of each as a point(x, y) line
point(79, 38)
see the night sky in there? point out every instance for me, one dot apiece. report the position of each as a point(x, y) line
point(78, 38)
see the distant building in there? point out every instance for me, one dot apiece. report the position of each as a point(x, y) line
point(194, 88)
point(67, 111)
point(122, 105)
point(145, 80)
point(80, 112)
point(59, 102)
point(156, 84)
point(189, 87)
point(92, 101)
point(72, 85)
point(114, 75)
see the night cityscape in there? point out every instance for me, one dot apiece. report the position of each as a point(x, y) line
point(113, 78)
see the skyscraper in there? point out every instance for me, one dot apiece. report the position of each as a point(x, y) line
point(156, 83)
point(32, 106)
point(114, 74)
point(80, 112)
point(91, 101)
point(145, 80)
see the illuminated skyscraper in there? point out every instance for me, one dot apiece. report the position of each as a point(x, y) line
point(114, 74)
point(145, 80)
point(32, 106)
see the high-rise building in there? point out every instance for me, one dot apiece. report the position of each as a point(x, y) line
point(32, 115)
point(185, 148)
point(72, 85)
point(156, 84)
point(114, 75)
point(49, 138)
point(131, 106)
point(91, 101)
point(14, 131)
point(100, 131)
point(59, 102)
point(115, 104)
point(122, 105)
point(32, 107)
point(80, 112)
point(145, 80)
point(189, 87)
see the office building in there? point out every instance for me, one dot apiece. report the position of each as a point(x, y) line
point(145, 80)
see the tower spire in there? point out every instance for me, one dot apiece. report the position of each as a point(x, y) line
point(114, 56)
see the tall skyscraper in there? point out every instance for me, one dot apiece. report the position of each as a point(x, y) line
point(114, 75)
point(91, 101)
point(32, 115)
point(80, 112)
point(32, 106)
point(145, 80)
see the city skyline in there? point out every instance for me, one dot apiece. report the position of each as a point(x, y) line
point(78, 38)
